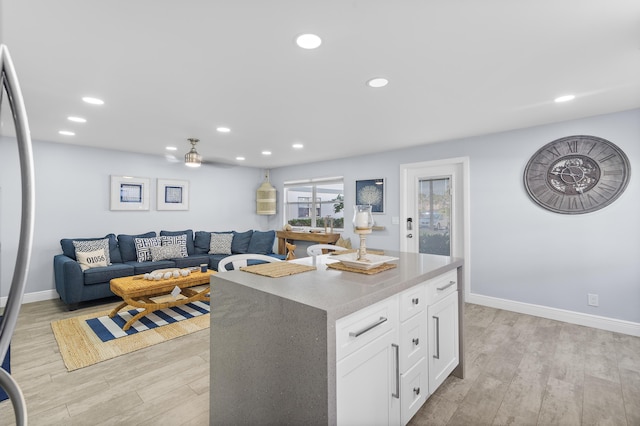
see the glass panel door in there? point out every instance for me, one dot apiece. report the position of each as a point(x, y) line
point(434, 220)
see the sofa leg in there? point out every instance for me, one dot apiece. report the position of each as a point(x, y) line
point(73, 306)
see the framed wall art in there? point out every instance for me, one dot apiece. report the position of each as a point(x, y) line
point(129, 193)
point(173, 194)
point(371, 191)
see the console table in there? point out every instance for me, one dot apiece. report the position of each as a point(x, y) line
point(320, 238)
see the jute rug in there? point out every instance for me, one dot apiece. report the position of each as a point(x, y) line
point(81, 347)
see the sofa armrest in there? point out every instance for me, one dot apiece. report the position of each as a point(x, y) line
point(69, 278)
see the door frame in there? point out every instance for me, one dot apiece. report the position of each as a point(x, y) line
point(462, 219)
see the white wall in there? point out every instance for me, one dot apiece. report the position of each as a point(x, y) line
point(519, 251)
point(72, 201)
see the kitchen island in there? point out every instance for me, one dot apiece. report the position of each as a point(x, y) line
point(277, 343)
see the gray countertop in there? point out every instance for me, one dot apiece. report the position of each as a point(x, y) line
point(341, 293)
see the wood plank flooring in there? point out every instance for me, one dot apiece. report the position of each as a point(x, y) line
point(521, 370)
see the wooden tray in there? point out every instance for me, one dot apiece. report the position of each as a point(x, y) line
point(377, 269)
point(277, 269)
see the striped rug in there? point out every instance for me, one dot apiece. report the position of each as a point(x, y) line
point(111, 328)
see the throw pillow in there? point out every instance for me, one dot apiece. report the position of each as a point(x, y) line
point(240, 243)
point(92, 259)
point(170, 251)
point(220, 243)
point(178, 240)
point(143, 245)
point(83, 246)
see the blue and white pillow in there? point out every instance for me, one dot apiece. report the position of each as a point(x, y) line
point(91, 259)
point(170, 251)
point(178, 240)
point(143, 247)
point(84, 246)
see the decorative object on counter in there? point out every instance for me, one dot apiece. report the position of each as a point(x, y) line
point(342, 267)
point(371, 191)
point(577, 174)
point(266, 197)
point(372, 261)
point(362, 222)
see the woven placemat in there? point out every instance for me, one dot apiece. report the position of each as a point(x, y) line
point(343, 267)
point(339, 252)
point(277, 269)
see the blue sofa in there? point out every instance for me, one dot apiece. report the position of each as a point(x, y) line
point(75, 285)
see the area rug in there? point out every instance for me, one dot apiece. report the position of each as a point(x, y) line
point(80, 346)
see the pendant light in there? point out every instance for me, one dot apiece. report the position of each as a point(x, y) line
point(192, 158)
point(266, 197)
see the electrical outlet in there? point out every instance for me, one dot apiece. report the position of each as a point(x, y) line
point(593, 299)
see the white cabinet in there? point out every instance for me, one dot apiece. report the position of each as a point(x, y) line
point(367, 375)
point(392, 355)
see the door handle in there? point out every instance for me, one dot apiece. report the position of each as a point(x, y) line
point(409, 235)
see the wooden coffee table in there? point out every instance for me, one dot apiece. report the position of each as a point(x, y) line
point(138, 292)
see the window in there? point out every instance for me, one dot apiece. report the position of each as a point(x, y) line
point(310, 203)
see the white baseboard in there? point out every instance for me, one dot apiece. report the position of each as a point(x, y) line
point(37, 296)
point(603, 323)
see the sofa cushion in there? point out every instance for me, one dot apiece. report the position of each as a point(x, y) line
point(262, 242)
point(165, 252)
point(214, 259)
point(144, 267)
point(128, 246)
point(69, 250)
point(188, 233)
point(180, 241)
point(220, 243)
point(104, 274)
point(240, 242)
point(143, 247)
point(92, 259)
point(191, 261)
point(93, 246)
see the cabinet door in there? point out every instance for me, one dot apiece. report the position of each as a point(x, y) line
point(442, 318)
point(367, 384)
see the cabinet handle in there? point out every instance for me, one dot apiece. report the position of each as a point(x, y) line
point(415, 301)
point(367, 328)
point(416, 391)
point(397, 392)
point(437, 354)
point(446, 286)
point(416, 341)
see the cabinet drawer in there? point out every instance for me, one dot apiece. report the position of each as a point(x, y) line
point(412, 302)
point(361, 327)
point(440, 287)
point(413, 341)
point(414, 389)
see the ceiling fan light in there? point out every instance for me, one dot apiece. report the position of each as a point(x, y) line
point(192, 158)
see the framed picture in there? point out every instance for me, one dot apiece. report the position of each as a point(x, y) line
point(371, 191)
point(129, 193)
point(173, 194)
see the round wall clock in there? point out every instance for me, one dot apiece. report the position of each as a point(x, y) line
point(577, 174)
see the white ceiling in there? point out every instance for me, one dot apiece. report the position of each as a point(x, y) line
point(171, 70)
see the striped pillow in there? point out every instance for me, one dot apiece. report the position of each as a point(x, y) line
point(143, 246)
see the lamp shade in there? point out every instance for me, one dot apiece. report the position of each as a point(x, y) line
point(192, 158)
point(266, 199)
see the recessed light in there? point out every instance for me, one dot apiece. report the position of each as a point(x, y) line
point(308, 41)
point(564, 98)
point(223, 129)
point(297, 146)
point(266, 152)
point(377, 82)
point(93, 101)
point(66, 133)
point(171, 148)
point(77, 119)
point(240, 158)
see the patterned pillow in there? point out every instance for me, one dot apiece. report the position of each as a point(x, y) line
point(170, 251)
point(93, 245)
point(220, 243)
point(91, 259)
point(143, 245)
point(178, 240)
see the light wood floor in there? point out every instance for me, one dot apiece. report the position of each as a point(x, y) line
point(521, 370)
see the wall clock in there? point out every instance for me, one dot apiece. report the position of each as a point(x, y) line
point(577, 174)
